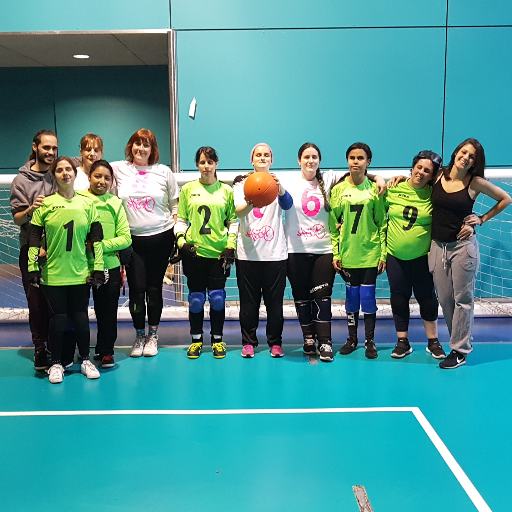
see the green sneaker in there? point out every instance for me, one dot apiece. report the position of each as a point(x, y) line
point(194, 351)
point(219, 350)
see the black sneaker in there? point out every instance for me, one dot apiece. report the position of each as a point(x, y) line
point(401, 349)
point(325, 352)
point(453, 360)
point(41, 360)
point(97, 357)
point(309, 347)
point(219, 349)
point(349, 346)
point(436, 350)
point(195, 349)
point(371, 350)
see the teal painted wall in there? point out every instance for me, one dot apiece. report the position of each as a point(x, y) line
point(112, 102)
point(478, 91)
point(333, 87)
point(471, 13)
point(239, 14)
point(69, 15)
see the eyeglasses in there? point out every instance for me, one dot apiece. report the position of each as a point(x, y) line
point(430, 155)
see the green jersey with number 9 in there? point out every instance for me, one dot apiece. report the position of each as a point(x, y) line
point(210, 210)
point(67, 223)
point(361, 240)
point(410, 221)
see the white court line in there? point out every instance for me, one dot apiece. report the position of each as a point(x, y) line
point(455, 468)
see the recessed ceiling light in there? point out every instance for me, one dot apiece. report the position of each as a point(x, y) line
point(80, 56)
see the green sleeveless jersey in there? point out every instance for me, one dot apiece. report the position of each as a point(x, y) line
point(67, 223)
point(410, 221)
point(210, 211)
point(361, 241)
point(116, 231)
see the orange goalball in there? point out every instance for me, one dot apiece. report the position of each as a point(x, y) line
point(260, 189)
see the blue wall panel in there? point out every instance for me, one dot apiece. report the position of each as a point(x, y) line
point(478, 12)
point(333, 87)
point(25, 108)
point(238, 14)
point(34, 15)
point(478, 91)
point(112, 102)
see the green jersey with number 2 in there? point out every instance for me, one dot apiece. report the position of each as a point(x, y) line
point(361, 240)
point(208, 209)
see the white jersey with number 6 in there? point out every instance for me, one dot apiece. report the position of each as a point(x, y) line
point(307, 223)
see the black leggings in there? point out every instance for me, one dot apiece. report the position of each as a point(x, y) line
point(311, 277)
point(68, 301)
point(205, 274)
point(406, 276)
point(145, 276)
point(254, 279)
point(106, 301)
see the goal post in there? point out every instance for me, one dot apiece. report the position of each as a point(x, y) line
point(493, 286)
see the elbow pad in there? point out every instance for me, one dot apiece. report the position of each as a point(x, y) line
point(35, 236)
point(96, 232)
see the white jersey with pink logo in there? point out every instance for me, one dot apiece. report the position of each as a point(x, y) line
point(307, 223)
point(261, 232)
point(149, 195)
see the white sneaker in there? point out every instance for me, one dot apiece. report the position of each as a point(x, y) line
point(89, 370)
point(151, 346)
point(56, 373)
point(138, 346)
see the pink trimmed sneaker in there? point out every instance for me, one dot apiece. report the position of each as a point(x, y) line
point(248, 351)
point(276, 351)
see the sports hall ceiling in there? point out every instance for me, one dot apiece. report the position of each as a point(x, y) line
point(56, 49)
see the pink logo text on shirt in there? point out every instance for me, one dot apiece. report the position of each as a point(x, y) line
point(317, 230)
point(265, 233)
point(138, 203)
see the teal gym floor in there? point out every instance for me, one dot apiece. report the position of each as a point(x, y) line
point(291, 434)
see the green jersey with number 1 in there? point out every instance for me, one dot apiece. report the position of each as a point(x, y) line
point(208, 209)
point(410, 221)
point(361, 241)
point(67, 223)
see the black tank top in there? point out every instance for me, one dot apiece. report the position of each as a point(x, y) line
point(448, 211)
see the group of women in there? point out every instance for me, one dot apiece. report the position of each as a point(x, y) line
point(420, 229)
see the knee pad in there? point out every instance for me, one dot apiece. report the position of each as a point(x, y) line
point(399, 305)
point(81, 321)
point(217, 299)
point(58, 322)
point(368, 302)
point(303, 308)
point(352, 300)
point(323, 309)
point(137, 303)
point(196, 301)
point(154, 296)
point(429, 308)
point(321, 290)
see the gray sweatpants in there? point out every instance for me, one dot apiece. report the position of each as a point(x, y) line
point(454, 266)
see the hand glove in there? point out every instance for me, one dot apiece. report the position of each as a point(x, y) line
point(175, 255)
point(228, 255)
point(34, 278)
point(126, 256)
point(188, 250)
point(97, 278)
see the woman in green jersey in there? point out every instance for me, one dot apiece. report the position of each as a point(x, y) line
point(116, 237)
point(409, 208)
point(68, 220)
point(359, 246)
point(206, 235)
